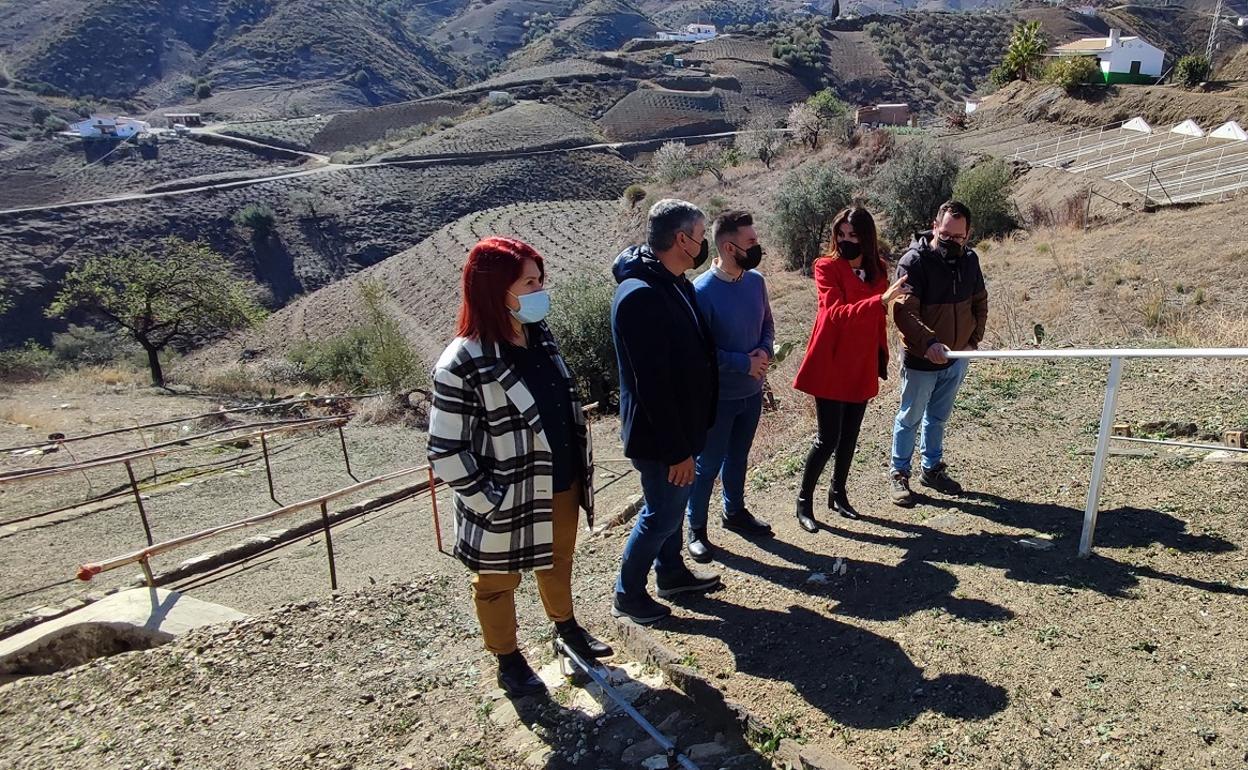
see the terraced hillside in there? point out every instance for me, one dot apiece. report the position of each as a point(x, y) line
point(653, 113)
point(526, 126)
point(328, 225)
point(39, 173)
point(575, 236)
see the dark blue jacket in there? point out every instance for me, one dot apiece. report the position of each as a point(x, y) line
point(669, 375)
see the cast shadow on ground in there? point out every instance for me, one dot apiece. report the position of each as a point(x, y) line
point(857, 678)
point(1118, 528)
point(867, 590)
point(605, 739)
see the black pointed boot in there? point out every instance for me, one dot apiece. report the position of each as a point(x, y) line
point(581, 642)
point(806, 515)
point(517, 677)
point(839, 502)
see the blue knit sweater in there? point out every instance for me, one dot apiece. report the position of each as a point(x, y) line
point(740, 319)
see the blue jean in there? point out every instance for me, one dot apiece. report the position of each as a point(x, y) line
point(656, 537)
point(926, 397)
point(724, 456)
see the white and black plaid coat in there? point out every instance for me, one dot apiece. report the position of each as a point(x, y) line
point(486, 441)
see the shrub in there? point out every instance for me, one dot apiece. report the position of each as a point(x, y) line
point(985, 189)
point(91, 346)
point(580, 319)
point(634, 194)
point(1071, 72)
point(809, 199)
point(38, 114)
point(52, 124)
point(203, 89)
point(373, 354)
point(1192, 70)
point(27, 363)
point(500, 99)
point(258, 218)
point(910, 187)
point(672, 163)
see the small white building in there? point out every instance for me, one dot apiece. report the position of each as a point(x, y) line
point(694, 33)
point(109, 127)
point(1121, 59)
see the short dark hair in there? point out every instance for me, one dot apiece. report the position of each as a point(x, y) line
point(668, 217)
point(730, 222)
point(956, 208)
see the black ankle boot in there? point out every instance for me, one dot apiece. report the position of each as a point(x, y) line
point(839, 501)
point(517, 677)
point(806, 514)
point(581, 642)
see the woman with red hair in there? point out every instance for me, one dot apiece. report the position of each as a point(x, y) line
point(507, 433)
point(847, 354)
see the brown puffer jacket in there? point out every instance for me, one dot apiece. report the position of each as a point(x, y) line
point(948, 302)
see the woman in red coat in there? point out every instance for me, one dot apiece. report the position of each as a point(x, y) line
point(847, 354)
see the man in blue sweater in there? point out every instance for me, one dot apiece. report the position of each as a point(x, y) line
point(668, 385)
point(732, 295)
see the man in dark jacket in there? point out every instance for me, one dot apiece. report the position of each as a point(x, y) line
point(669, 383)
point(947, 309)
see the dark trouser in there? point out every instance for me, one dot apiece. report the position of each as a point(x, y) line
point(839, 423)
point(656, 538)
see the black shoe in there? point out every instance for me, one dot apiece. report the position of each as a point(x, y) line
point(746, 523)
point(806, 515)
point(700, 548)
point(900, 492)
point(581, 642)
point(517, 678)
point(839, 502)
point(938, 479)
point(686, 582)
point(642, 610)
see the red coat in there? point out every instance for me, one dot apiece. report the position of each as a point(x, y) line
point(848, 350)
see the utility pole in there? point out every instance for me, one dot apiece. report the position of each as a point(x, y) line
point(1213, 32)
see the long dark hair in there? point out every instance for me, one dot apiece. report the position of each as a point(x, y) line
point(863, 225)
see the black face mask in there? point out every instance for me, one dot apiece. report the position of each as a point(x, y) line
point(750, 259)
point(848, 250)
point(705, 251)
point(949, 249)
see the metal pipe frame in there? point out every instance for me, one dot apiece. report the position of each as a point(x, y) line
point(176, 420)
point(1116, 358)
point(1180, 444)
point(665, 743)
point(91, 569)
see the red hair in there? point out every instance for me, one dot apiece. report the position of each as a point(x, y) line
point(493, 265)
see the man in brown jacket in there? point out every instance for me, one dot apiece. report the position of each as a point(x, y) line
point(947, 309)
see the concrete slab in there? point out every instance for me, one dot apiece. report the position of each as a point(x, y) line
point(137, 619)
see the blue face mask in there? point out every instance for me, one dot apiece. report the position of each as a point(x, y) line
point(533, 307)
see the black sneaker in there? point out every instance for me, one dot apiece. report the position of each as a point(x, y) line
point(689, 581)
point(938, 479)
point(746, 523)
point(700, 548)
point(517, 677)
point(642, 610)
point(900, 492)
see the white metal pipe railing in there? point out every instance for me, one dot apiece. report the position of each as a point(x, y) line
point(1116, 358)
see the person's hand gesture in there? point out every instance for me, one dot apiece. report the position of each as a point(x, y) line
point(681, 474)
point(899, 289)
point(759, 361)
point(937, 353)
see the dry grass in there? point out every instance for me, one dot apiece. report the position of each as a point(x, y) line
point(112, 376)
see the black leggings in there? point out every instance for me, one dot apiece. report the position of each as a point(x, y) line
point(839, 423)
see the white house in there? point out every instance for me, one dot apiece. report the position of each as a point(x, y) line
point(1121, 59)
point(694, 33)
point(109, 127)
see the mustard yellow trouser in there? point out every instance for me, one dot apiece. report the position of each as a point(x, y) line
point(495, 594)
